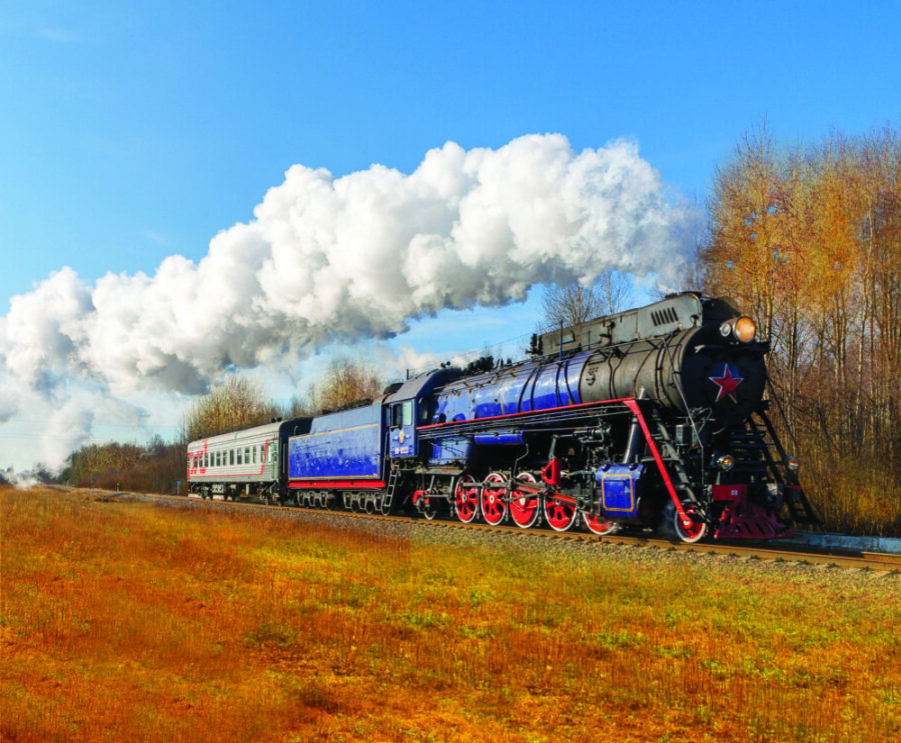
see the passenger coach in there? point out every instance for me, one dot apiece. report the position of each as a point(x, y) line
point(242, 463)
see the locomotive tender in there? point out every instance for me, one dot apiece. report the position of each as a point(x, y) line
point(643, 419)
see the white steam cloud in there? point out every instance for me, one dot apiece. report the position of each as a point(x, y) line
point(328, 259)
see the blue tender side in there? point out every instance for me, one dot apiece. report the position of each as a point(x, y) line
point(345, 445)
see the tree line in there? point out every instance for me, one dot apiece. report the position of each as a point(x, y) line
point(236, 403)
point(808, 241)
point(805, 239)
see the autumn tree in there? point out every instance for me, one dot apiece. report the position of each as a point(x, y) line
point(809, 242)
point(344, 383)
point(236, 403)
point(88, 464)
point(574, 304)
point(150, 468)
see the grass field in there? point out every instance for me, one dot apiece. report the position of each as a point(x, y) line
point(124, 620)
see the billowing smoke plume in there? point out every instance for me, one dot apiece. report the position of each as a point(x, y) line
point(330, 258)
point(334, 259)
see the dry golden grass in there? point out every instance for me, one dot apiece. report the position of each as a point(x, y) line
point(129, 621)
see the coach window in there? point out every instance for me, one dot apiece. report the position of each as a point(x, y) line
point(231, 457)
point(247, 455)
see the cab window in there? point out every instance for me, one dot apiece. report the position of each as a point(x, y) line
point(402, 414)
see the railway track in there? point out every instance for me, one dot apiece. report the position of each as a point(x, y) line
point(875, 561)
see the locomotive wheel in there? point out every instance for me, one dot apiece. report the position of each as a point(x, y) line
point(524, 503)
point(429, 510)
point(690, 534)
point(494, 504)
point(599, 524)
point(560, 512)
point(466, 498)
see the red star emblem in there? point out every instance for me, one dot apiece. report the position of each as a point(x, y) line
point(727, 384)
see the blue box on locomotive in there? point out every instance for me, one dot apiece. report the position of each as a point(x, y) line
point(340, 446)
point(620, 489)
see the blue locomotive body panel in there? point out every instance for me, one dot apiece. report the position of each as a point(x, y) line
point(340, 446)
point(620, 489)
point(515, 389)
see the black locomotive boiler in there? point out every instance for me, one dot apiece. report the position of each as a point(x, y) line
point(651, 418)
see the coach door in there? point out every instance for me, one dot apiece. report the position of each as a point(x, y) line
point(402, 437)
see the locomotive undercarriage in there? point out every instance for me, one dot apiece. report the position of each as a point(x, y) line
point(673, 470)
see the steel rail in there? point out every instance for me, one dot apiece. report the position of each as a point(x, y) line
point(875, 561)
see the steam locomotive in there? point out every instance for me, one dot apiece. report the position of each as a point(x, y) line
point(653, 418)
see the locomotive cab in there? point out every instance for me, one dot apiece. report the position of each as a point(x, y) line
point(408, 407)
point(402, 428)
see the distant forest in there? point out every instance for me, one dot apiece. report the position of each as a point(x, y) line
point(806, 239)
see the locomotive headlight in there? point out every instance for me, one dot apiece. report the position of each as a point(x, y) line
point(745, 329)
point(793, 463)
point(742, 329)
point(726, 462)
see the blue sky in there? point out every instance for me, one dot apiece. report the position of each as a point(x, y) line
point(136, 131)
